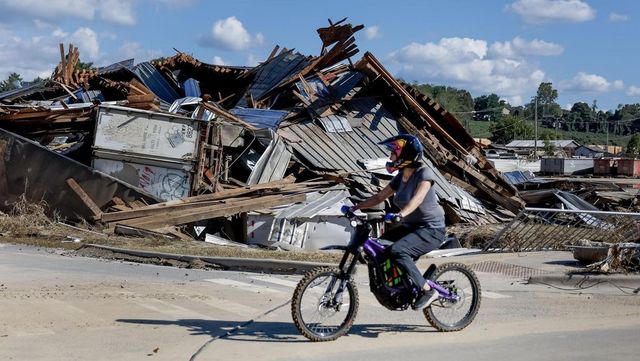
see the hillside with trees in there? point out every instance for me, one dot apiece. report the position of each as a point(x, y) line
point(488, 116)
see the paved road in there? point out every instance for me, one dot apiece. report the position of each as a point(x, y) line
point(57, 307)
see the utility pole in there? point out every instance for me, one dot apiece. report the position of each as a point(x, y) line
point(607, 149)
point(535, 140)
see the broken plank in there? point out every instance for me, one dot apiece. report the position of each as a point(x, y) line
point(213, 212)
point(141, 98)
point(93, 207)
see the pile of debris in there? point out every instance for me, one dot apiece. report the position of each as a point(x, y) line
point(621, 257)
point(227, 150)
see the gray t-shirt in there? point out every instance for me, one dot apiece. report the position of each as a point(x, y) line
point(429, 213)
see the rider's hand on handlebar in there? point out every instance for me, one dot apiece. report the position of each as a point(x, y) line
point(345, 209)
point(393, 217)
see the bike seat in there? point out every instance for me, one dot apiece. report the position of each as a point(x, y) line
point(384, 242)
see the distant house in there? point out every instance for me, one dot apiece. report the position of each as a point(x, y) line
point(528, 146)
point(591, 151)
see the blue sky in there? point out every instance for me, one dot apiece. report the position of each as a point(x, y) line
point(587, 49)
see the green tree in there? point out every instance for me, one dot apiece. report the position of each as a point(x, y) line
point(11, 82)
point(456, 101)
point(549, 148)
point(488, 107)
point(633, 147)
point(508, 128)
point(84, 66)
point(548, 110)
point(580, 116)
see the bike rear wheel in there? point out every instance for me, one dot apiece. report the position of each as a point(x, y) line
point(317, 313)
point(447, 315)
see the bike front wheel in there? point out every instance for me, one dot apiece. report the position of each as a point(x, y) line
point(448, 315)
point(324, 306)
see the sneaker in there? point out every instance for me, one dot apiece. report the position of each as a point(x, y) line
point(425, 299)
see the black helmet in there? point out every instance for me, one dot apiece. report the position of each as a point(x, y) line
point(407, 149)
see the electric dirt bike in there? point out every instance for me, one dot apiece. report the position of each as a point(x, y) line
point(325, 301)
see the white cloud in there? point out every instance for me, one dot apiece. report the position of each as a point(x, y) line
point(86, 40)
point(108, 35)
point(615, 17)
point(218, 61)
point(474, 65)
point(133, 50)
point(447, 50)
point(592, 83)
point(519, 47)
point(230, 34)
point(372, 32)
point(116, 11)
point(252, 60)
point(633, 91)
point(543, 11)
point(38, 55)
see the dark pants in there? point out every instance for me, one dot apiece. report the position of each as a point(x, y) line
point(413, 242)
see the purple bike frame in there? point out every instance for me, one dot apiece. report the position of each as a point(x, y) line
point(373, 249)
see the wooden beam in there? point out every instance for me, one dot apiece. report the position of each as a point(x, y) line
point(201, 213)
point(223, 113)
point(378, 68)
point(63, 63)
point(84, 197)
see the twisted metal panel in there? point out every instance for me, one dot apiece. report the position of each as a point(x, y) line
point(541, 229)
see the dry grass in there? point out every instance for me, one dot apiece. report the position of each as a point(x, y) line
point(475, 236)
point(24, 219)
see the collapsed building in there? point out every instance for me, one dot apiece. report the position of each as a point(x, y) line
point(262, 154)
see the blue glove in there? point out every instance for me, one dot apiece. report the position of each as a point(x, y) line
point(345, 209)
point(393, 217)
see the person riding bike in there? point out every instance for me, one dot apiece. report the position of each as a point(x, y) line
point(421, 225)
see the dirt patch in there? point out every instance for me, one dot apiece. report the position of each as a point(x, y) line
point(111, 255)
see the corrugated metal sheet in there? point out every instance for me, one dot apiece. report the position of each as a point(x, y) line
point(191, 88)
point(260, 118)
point(272, 164)
point(124, 64)
point(531, 143)
point(20, 92)
point(345, 84)
point(517, 176)
point(315, 204)
point(335, 124)
point(316, 85)
point(347, 150)
point(155, 81)
point(86, 96)
point(273, 72)
point(341, 151)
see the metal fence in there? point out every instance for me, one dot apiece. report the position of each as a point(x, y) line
point(538, 229)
